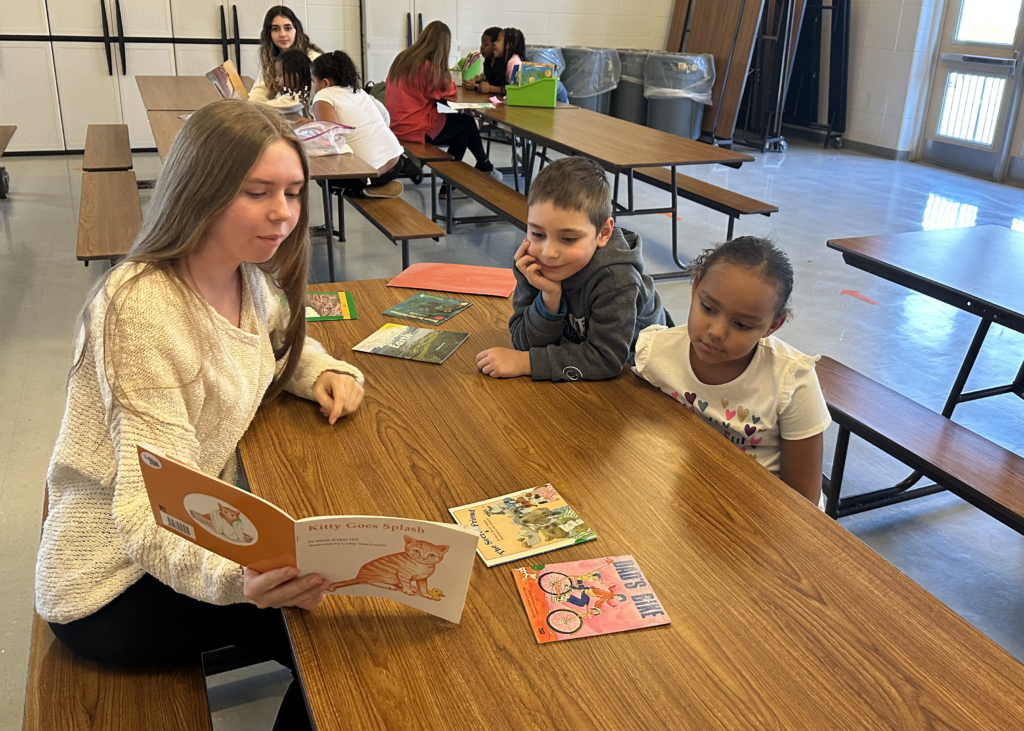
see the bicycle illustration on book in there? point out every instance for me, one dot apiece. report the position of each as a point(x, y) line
point(563, 589)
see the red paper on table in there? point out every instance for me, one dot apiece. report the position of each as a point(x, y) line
point(461, 278)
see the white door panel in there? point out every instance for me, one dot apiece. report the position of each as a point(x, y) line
point(145, 18)
point(195, 60)
point(196, 18)
point(24, 17)
point(88, 93)
point(28, 96)
point(78, 17)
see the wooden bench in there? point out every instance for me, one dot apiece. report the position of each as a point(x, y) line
point(397, 220)
point(718, 199)
point(68, 692)
point(423, 153)
point(6, 133)
point(979, 471)
point(110, 215)
point(107, 148)
point(507, 204)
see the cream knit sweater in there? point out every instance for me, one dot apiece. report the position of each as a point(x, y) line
point(198, 397)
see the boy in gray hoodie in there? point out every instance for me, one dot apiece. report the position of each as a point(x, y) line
point(581, 294)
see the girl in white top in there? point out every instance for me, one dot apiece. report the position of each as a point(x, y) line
point(179, 345)
point(726, 366)
point(337, 97)
point(282, 30)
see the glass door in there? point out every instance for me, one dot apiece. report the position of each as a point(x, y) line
point(975, 95)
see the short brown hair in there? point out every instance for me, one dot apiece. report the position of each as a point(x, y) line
point(575, 184)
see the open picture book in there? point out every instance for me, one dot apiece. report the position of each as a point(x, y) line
point(227, 82)
point(419, 563)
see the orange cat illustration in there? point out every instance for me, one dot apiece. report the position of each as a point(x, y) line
point(407, 571)
point(225, 522)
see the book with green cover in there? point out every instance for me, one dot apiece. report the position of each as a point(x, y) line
point(412, 343)
point(322, 306)
point(432, 308)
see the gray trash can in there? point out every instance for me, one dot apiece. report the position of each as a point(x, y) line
point(553, 56)
point(591, 74)
point(628, 101)
point(678, 87)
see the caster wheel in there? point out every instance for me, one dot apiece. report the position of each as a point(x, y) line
point(783, 146)
point(5, 183)
point(839, 143)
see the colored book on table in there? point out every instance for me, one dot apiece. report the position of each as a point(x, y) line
point(432, 308)
point(322, 306)
point(227, 82)
point(460, 278)
point(523, 524)
point(416, 562)
point(598, 596)
point(412, 343)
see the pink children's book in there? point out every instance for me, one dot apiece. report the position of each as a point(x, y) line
point(461, 278)
point(597, 596)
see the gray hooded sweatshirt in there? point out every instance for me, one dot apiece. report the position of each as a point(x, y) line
point(604, 307)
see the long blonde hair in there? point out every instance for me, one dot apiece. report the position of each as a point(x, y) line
point(204, 172)
point(430, 48)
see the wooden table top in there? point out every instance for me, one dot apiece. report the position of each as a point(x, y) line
point(614, 142)
point(780, 618)
point(169, 93)
point(978, 269)
point(166, 124)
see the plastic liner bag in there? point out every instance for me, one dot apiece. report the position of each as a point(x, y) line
point(590, 71)
point(679, 76)
point(553, 56)
point(632, 61)
point(324, 138)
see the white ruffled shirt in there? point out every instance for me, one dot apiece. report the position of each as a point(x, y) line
point(777, 397)
point(197, 396)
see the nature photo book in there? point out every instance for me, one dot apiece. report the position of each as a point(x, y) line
point(322, 306)
point(432, 308)
point(412, 343)
point(421, 564)
point(599, 596)
point(523, 524)
point(227, 82)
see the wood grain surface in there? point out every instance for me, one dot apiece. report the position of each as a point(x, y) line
point(397, 219)
point(975, 468)
point(677, 26)
point(712, 29)
point(614, 142)
point(67, 692)
point(425, 152)
point(481, 187)
point(982, 264)
point(165, 126)
point(701, 191)
point(168, 93)
point(107, 148)
point(110, 215)
point(780, 618)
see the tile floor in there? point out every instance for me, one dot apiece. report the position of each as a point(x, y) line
point(907, 341)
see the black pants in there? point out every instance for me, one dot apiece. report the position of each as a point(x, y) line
point(151, 624)
point(460, 133)
point(358, 184)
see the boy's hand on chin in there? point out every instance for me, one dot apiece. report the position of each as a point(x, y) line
point(530, 268)
point(504, 362)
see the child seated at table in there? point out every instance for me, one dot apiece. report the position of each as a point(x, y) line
point(339, 98)
point(509, 52)
point(493, 72)
point(581, 294)
point(727, 367)
point(293, 79)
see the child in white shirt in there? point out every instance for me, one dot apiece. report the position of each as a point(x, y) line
point(339, 98)
point(726, 366)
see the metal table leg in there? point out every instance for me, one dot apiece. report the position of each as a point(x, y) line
point(329, 225)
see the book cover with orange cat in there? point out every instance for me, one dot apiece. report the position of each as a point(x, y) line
point(598, 596)
point(420, 563)
point(523, 524)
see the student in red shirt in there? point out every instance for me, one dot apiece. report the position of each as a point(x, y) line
point(418, 79)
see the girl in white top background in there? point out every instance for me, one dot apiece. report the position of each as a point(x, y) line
point(337, 97)
point(282, 30)
point(178, 346)
point(727, 367)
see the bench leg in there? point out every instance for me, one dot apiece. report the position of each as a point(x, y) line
point(433, 195)
point(329, 232)
point(515, 163)
point(629, 192)
point(835, 482)
point(341, 216)
point(448, 209)
point(728, 233)
point(405, 255)
point(615, 193)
